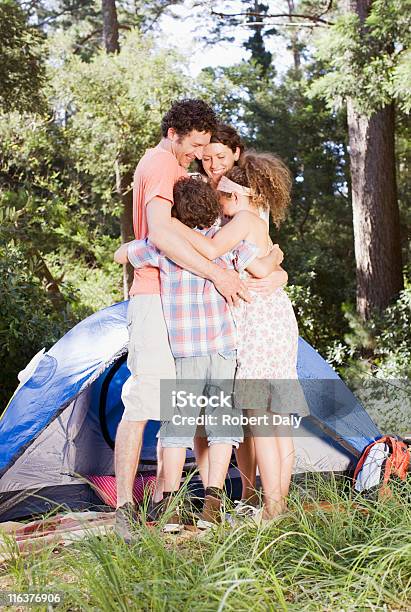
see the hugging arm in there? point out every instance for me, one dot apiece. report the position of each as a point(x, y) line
point(163, 234)
point(267, 272)
point(120, 256)
point(261, 267)
point(176, 248)
point(245, 259)
point(223, 241)
point(139, 253)
point(226, 239)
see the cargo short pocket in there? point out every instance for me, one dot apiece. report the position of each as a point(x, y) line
point(137, 314)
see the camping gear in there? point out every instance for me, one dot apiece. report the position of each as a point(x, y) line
point(105, 488)
point(60, 425)
point(380, 462)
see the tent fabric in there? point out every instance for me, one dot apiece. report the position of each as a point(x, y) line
point(60, 375)
point(60, 424)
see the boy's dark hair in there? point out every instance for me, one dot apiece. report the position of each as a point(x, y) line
point(196, 203)
point(188, 115)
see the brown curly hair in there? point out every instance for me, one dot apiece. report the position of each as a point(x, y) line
point(226, 135)
point(269, 179)
point(188, 115)
point(196, 203)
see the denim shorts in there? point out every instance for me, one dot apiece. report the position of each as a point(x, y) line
point(209, 381)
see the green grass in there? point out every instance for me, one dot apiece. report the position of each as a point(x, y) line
point(352, 558)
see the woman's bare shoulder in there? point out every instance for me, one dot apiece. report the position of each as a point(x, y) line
point(255, 228)
point(247, 217)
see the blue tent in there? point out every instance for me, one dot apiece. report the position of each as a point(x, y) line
point(60, 424)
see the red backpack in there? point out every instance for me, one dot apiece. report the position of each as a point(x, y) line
point(380, 461)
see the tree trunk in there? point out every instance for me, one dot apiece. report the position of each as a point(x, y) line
point(127, 234)
point(375, 209)
point(294, 37)
point(123, 181)
point(124, 190)
point(376, 218)
point(110, 26)
point(52, 284)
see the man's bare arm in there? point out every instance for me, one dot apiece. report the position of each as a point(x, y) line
point(164, 236)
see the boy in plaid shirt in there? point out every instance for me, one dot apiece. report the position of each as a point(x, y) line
point(203, 341)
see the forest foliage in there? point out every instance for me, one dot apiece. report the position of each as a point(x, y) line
point(73, 119)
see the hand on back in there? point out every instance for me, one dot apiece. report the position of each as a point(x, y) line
point(231, 287)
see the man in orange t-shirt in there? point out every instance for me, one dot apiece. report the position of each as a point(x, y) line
point(186, 130)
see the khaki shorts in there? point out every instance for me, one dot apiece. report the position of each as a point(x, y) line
point(149, 358)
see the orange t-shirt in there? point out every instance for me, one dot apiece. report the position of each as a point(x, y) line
point(155, 175)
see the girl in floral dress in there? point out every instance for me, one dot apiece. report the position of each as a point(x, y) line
point(266, 379)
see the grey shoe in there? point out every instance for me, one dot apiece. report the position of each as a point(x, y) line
point(127, 523)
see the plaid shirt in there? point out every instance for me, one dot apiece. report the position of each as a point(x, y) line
point(198, 318)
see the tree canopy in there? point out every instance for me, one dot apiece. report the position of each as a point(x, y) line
point(22, 69)
point(75, 117)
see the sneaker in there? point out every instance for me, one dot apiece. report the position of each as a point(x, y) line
point(127, 523)
point(244, 510)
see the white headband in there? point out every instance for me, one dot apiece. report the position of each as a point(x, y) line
point(229, 186)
